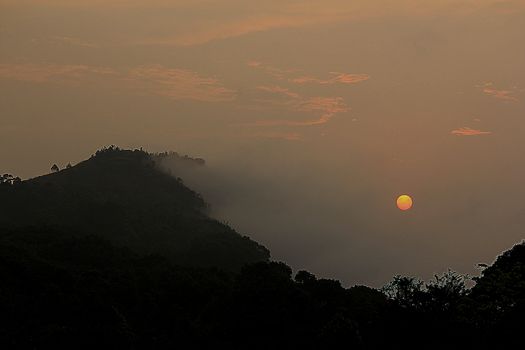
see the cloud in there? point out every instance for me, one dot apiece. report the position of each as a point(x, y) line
point(254, 64)
point(280, 90)
point(504, 95)
point(287, 74)
point(275, 72)
point(328, 107)
point(180, 84)
point(235, 28)
point(248, 17)
point(465, 131)
point(173, 83)
point(42, 73)
point(341, 78)
point(197, 22)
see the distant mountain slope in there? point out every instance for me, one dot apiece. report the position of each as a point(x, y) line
point(122, 196)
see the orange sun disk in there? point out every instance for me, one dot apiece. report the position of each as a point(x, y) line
point(404, 202)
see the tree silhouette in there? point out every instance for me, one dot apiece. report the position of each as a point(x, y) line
point(446, 291)
point(8, 179)
point(408, 292)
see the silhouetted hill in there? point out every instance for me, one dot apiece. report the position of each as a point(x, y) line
point(122, 195)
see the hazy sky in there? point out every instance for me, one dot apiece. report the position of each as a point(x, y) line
point(313, 116)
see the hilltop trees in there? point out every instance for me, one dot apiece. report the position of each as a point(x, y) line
point(9, 180)
point(438, 295)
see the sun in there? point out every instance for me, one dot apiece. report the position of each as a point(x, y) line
point(404, 202)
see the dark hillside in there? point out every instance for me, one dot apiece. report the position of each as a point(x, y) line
point(121, 195)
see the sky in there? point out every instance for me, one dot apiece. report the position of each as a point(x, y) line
point(312, 115)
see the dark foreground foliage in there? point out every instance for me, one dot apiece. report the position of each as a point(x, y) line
point(63, 291)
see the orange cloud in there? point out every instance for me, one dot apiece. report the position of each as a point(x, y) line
point(465, 131)
point(285, 74)
point(329, 106)
point(180, 84)
point(342, 78)
point(254, 64)
point(326, 106)
point(505, 95)
point(197, 22)
point(235, 28)
point(173, 83)
point(279, 90)
point(41, 73)
point(277, 73)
